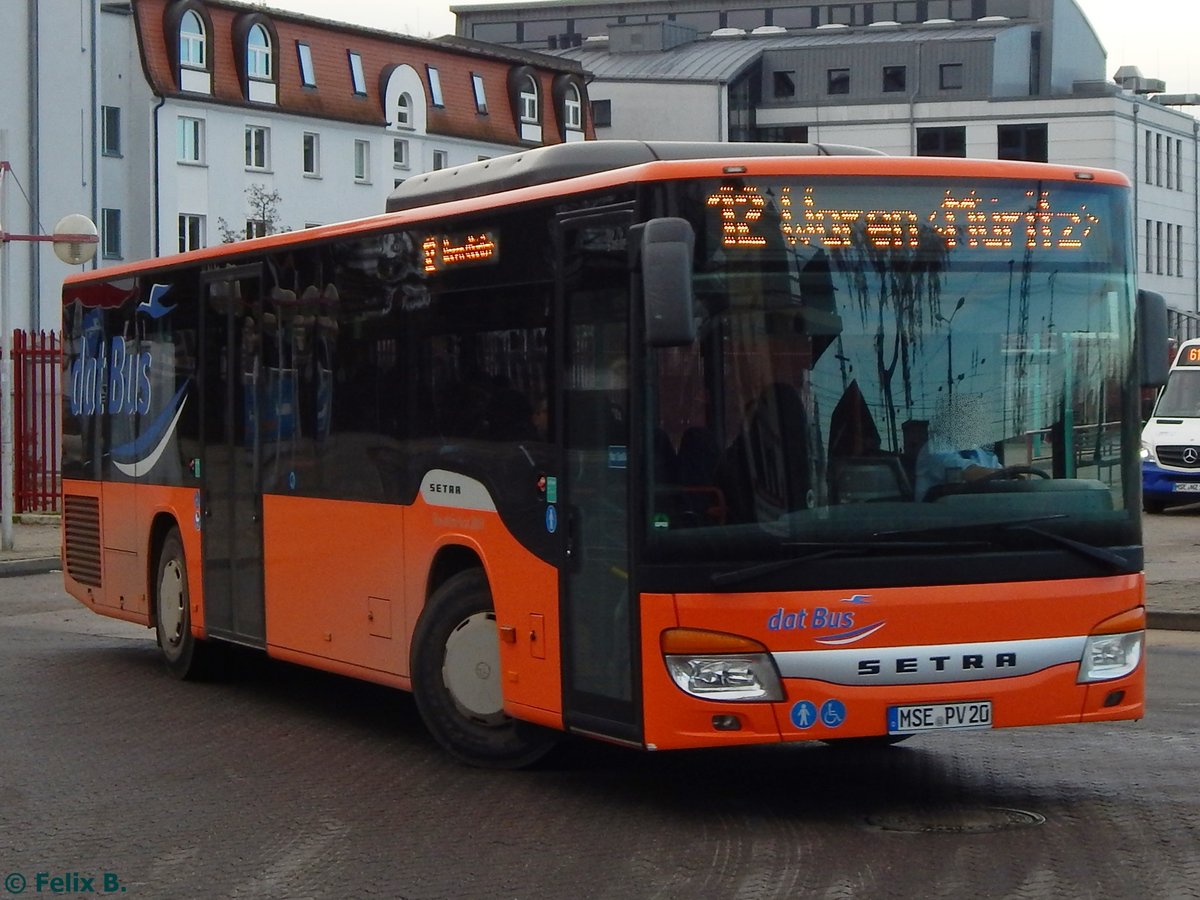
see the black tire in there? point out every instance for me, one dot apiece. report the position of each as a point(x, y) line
point(1153, 505)
point(456, 679)
point(184, 656)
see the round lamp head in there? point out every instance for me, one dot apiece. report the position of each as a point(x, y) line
point(67, 246)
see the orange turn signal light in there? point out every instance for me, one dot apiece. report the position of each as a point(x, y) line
point(1123, 623)
point(701, 642)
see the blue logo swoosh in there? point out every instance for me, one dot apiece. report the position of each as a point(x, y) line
point(139, 456)
point(153, 307)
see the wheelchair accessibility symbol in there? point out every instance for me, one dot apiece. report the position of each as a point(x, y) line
point(833, 713)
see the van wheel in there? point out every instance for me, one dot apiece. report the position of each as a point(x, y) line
point(185, 657)
point(457, 680)
point(1153, 505)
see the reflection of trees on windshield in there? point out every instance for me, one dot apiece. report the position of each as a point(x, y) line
point(898, 286)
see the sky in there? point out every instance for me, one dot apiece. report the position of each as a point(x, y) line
point(1158, 36)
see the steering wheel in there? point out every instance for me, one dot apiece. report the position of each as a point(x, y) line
point(1015, 472)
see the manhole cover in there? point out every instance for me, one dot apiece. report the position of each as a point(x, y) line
point(952, 820)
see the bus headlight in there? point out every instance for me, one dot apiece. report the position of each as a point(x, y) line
point(1148, 453)
point(714, 665)
point(1109, 656)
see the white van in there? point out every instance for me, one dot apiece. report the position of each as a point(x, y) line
point(1171, 438)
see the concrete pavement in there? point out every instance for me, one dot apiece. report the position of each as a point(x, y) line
point(1172, 557)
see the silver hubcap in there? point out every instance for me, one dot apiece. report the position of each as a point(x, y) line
point(171, 599)
point(471, 669)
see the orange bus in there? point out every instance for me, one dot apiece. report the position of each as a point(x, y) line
point(674, 445)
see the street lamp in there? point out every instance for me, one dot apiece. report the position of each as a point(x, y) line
point(74, 239)
point(950, 345)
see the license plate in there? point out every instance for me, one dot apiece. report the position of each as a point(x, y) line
point(1187, 487)
point(939, 717)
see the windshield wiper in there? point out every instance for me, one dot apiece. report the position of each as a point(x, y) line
point(1111, 560)
point(827, 549)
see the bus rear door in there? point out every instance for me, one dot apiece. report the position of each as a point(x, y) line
point(239, 417)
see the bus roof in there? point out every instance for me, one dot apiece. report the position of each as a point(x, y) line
point(561, 161)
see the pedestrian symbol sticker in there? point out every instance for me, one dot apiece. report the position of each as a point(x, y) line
point(804, 713)
point(551, 519)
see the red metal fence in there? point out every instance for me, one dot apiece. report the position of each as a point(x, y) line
point(37, 404)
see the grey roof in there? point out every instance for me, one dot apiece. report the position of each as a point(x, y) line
point(721, 60)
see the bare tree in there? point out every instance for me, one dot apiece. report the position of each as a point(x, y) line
point(262, 219)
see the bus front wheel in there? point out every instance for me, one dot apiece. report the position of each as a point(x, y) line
point(185, 657)
point(456, 679)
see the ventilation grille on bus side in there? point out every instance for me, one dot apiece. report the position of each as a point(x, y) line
point(81, 524)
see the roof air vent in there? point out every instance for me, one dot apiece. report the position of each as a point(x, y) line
point(729, 33)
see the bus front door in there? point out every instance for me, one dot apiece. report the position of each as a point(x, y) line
point(236, 417)
point(601, 676)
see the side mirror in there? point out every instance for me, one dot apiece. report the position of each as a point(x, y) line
point(1152, 338)
point(667, 249)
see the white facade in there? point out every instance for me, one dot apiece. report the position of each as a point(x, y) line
point(47, 132)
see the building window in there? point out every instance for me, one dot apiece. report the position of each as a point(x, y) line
point(837, 81)
point(312, 154)
point(399, 153)
point(441, 159)
point(362, 161)
point(895, 78)
point(950, 141)
point(1149, 158)
point(602, 113)
point(258, 147)
point(110, 130)
point(786, 134)
point(1170, 249)
point(480, 96)
point(110, 233)
point(404, 111)
point(435, 86)
point(1179, 165)
point(1170, 164)
point(950, 76)
point(357, 79)
point(256, 228)
point(1027, 142)
point(573, 109)
point(1179, 251)
point(191, 232)
point(1149, 247)
point(1158, 160)
point(191, 42)
point(189, 134)
point(527, 98)
point(785, 84)
point(258, 54)
point(308, 75)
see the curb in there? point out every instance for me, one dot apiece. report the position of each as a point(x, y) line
point(40, 565)
point(1173, 621)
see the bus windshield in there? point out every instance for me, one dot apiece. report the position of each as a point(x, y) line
point(894, 361)
point(1181, 397)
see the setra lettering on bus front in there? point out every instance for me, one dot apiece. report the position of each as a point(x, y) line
point(439, 488)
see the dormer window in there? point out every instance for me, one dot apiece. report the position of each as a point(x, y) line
point(528, 98)
point(573, 109)
point(524, 94)
point(258, 54)
point(404, 112)
point(258, 65)
point(188, 31)
point(192, 53)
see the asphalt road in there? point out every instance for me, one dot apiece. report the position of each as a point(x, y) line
point(284, 782)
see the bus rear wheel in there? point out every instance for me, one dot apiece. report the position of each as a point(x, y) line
point(184, 656)
point(456, 679)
